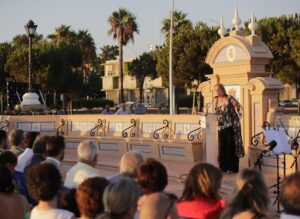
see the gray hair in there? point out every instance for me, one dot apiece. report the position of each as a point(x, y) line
point(120, 196)
point(87, 150)
point(15, 137)
point(130, 161)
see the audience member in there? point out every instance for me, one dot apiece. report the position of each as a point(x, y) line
point(140, 108)
point(251, 199)
point(89, 197)
point(106, 110)
point(3, 141)
point(39, 152)
point(159, 206)
point(87, 152)
point(290, 196)
point(16, 141)
point(68, 202)
point(25, 157)
point(120, 199)
point(123, 110)
point(130, 162)
point(55, 149)
point(200, 198)
point(43, 182)
point(9, 159)
point(152, 177)
point(12, 205)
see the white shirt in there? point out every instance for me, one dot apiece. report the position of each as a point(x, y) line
point(24, 159)
point(51, 214)
point(53, 161)
point(78, 173)
point(289, 216)
point(122, 112)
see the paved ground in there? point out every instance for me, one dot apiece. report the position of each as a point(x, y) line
point(108, 165)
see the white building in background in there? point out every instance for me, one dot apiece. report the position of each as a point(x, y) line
point(154, 93)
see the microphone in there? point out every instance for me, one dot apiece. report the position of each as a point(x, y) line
point(272, 145)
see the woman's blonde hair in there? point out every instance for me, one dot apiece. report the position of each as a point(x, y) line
point(203, 180)
point(251, 194)
point(222, 88)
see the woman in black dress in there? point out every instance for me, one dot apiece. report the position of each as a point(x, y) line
point(230, 138)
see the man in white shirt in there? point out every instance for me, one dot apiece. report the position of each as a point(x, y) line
point(87, 152)
point(25, 157)
point(290, 196)
point(123, 110)
point(55, 149)
point(129, 163)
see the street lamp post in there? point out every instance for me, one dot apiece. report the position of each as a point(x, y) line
point(30, 28)
point(171, 89)
point(30, 100)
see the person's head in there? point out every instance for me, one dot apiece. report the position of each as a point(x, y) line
point(159, 206)
point(3, 139)
point(107, 108)
point(89, 196)
point(9, 159)
point(130, 161)
point(87, 152)
point(220, 90)
point(68, 201)
point(55, 147)
point(123, 106)
point(6, 182)
point(290, 194)
point(251, 193)
point(29, 139)
point(43, 181)
point(16, 137)
point(152, 176)
point(120, 199)
point(39, 145)
point(203, 180)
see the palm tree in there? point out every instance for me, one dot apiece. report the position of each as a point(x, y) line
point(123, 26)
point(179, 19)
point(62, 33)
point(88, 49)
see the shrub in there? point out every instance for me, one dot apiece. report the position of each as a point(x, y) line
point(91, 103)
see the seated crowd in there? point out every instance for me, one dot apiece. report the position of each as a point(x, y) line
point(34, 184)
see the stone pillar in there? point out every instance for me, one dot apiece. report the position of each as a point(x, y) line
point(238, 62)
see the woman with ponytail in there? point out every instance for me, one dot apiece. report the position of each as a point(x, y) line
point(251, 199)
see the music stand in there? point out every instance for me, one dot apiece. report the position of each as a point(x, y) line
point(282, 147)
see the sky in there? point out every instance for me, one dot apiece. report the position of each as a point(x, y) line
point(93, 14)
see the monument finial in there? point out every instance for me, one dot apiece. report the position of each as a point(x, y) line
point(236, 21)
point(221, 30)
point(252, 25)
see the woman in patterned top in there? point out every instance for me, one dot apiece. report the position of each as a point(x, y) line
point(230, 140)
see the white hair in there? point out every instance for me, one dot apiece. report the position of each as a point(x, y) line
point(130, 161)
point(87, 150)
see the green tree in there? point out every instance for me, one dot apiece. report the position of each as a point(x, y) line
point(190, 47)
point(88, 51)
point(179, 21)
point(142, 67)
point(123, 26)
point(5, 50)
point(282, 35)
point(62, 33)
point(108, 52)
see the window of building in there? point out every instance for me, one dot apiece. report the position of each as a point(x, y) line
point(116, 83)
point(109, 70)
